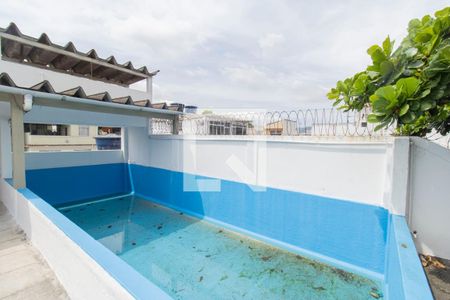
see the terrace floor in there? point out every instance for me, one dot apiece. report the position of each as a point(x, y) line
point(439, 279)
point(23, 272)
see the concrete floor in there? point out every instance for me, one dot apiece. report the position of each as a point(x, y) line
point(439, 279)
point(23, 272)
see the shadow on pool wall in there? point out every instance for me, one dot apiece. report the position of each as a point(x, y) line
point(61, 186)
point(346, 231)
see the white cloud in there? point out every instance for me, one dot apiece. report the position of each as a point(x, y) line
point(260, 53)
point(247, 75)
point(197, 72)
point(270, 40)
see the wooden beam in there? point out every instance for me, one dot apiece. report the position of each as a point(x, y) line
point(18, 142)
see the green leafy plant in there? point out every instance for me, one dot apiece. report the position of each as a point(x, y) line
point(408, 87)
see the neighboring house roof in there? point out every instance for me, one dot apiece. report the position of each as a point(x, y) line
point(78, 92)
point(41, 52)
point(280, 124)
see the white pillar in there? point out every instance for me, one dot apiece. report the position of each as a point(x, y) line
point(18, 142)
point(149, 87)
point(124, 146)
point(398, 180)
point(5, 149)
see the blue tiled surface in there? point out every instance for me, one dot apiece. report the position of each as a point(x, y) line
point(191, 258)
point(347, 231)
point(71, 184)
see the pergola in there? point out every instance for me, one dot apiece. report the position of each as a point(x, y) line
point(41, 54)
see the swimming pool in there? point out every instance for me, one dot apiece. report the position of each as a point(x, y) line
point(193, 259)
point(326, 247)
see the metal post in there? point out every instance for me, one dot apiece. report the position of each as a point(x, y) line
point(18, 142)
point(176, 125)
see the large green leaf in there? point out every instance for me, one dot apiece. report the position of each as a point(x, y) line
point(443, 13)
point(403, 110)
point(386, 68)
point(387, 92)
point(423, 37)
point(411, 52)
point(408, 117)
point(372, 118)
point(427, 105)
point(360, 84)
point(408, 85)
point(377, 54)
point(387, 46)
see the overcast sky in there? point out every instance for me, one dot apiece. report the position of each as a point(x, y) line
point(230, 54)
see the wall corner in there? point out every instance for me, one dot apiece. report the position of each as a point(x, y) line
point(397, 200)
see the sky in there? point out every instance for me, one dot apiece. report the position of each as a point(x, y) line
point(252, 54)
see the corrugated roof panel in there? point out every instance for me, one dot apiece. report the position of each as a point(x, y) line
point(162, 105)
point(64, 62)
point(41, 56)
point(6, 80)
point(123, 100)
point(25, 49)
point(43, 86)
point(128, 65)
point(101, 97)
point(77, 92)
point(143, 103)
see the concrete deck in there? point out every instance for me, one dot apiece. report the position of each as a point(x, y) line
point(23, 272)
point(439, 279)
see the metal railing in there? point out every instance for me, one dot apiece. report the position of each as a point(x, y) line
point(308, 122)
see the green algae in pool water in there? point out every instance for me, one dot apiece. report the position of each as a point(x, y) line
point(193, 259)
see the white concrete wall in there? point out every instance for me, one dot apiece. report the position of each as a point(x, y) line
point(81, 276)
point(429, 205)
point(351, 171)
point(46, 160)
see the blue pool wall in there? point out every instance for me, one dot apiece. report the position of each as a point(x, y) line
point(64, 185)
point(347, 231)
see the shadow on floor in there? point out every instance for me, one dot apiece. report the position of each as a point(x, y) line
point(438, 274)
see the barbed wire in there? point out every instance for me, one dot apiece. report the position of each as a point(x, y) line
point(302, 122)
point(307, 122)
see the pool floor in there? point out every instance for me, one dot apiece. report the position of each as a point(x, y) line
point(194, 259)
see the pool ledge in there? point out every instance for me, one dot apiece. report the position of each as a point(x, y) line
point(405, 277)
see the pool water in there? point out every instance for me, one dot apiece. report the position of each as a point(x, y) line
point(194, 259)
